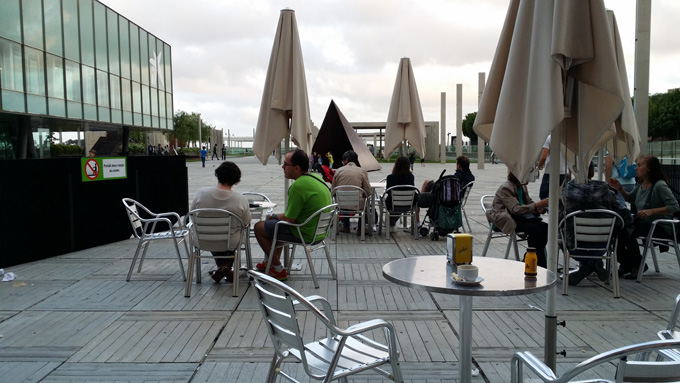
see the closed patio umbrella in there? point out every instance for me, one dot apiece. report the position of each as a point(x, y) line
point(555, 64)
point(405, 118)
point(554, 70)
point(284, 109)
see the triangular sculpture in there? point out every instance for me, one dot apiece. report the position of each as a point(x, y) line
point(336, 135)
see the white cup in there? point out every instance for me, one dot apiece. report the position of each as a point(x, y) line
point(468, 272)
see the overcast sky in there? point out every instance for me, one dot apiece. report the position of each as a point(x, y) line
point(351, 49)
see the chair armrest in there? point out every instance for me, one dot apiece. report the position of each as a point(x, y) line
point(526, 358)
point(171, 214)
point(327, 309)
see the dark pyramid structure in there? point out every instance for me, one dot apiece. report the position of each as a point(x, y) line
point(336, 135)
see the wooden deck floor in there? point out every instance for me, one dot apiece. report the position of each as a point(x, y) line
point(73, 318)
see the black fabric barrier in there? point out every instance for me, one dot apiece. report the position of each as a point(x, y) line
point(47, 210)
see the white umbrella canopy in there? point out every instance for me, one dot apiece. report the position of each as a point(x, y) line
point(405, 118)
point(555, 67)
point(627, 140)
point(285, 94)
point(555, 64)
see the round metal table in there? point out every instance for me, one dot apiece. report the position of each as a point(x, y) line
point(502, 277)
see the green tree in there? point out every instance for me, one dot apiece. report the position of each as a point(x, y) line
point(185, 128)
point(664, 115)
point(468, 122)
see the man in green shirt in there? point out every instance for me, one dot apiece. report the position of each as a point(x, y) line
point(306, 196)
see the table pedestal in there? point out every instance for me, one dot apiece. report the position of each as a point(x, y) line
point(465, 346)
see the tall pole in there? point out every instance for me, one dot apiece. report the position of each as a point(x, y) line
point(641, 82)
point(459, 120)
point(200, 142)
point(442, 129)
point(480, 143)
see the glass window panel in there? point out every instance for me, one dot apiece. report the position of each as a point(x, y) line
point(72, 81)
point(114, 57)
point(33, 23)
point(114, 83)
point(57, 107)
point(55, 76)
point(116, 116)
point(90, 112)
point(104, 114)
point(168, 100)
point(100, 41)
point(136, 97)
point(73, 85)
point(137, 119)
point(36, 104)
point(154, 102)
point(134, 52)
point(71, 39)
point(144, 55)
point(10, 20)
point(124, 33)
point(102, 89)
point(127, 118)
point(146, 101)
point(12, 73)
point(35, 71)
point(126, 91)
point(13, 101)
point(155, 64)
point(167, 61)
point(88, 85)
point(53, 41)
point(161, 107)
point(86, 32)
point(74, 109)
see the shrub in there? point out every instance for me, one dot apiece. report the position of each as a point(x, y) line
point(65, 150)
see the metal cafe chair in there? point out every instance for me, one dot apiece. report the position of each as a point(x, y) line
point(486, 202)
point(655, 238)
point(466, 194)
point(630, 361)
point(325, 218)
point(403, 202)
point(149, 227)
point(353, 202)
point(591, 230)
point(346, 352)
point(214, 230)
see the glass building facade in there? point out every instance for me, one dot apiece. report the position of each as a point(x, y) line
point(74, 64)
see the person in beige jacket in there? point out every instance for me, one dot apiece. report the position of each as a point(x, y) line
point(513, 210)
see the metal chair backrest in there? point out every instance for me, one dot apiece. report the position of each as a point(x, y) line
point(628, 369)
point(350, 198)
point(591, 229)
point(277, 303)
point(670, 332)
point(466, 193)
point(325, 222)
point(257, 197)
point(216, 229)
point(139, 215)
point(486, 202)
point(401, 196)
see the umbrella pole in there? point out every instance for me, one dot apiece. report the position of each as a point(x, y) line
point(553, 214)
point(286, 184)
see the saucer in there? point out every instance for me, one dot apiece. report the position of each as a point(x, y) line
point(469, 283)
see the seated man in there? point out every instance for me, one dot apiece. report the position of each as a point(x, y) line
point(306, 196)
point(351, 174)
point(593, 195)
point(222, 197)
point(463, 174)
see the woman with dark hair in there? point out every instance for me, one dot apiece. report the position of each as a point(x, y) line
point(514, 211)
point(651, 199)
point(222, 196)
point(401, 175)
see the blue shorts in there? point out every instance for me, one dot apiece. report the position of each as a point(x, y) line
point(284, 233)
